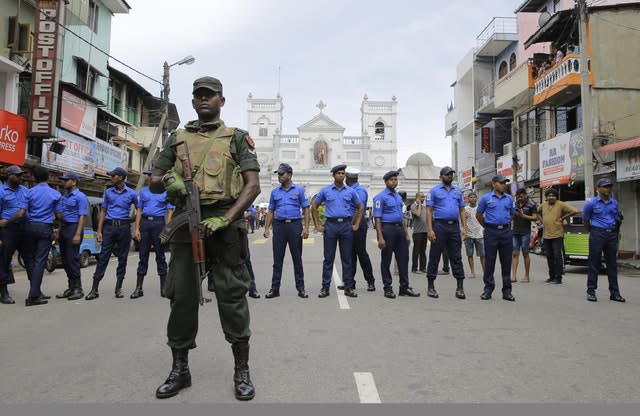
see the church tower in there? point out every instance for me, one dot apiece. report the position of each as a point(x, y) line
point(379, 125)
point(265, 125)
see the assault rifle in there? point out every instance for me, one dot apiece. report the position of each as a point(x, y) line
point(191, 217)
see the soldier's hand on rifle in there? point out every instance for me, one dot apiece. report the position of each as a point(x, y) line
point(174, 186)
point(213, 224)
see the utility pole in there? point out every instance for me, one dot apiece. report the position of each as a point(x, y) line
point(585, 96)
point(165, 100)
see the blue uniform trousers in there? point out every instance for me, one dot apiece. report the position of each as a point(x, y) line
point(334, 233)
point(449, 241)
point(287, 233)
point(360, 252)
point(70, 252)
point(39, 235)
point(395, 243)
point(603, 240)
point(497, 242)
point(119, 235)
point(13, 238)
point(150, 236)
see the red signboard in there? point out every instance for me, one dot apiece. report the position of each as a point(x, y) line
point(78, 115)
point(13, 138)
point(44, 69)
point(486, 139)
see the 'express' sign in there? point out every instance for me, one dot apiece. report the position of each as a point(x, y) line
point(13, 138)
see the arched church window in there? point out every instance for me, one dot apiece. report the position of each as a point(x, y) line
point(512, 62)
point(379, 131)
point(502, 71)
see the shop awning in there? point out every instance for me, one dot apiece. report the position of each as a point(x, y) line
point(620, 146)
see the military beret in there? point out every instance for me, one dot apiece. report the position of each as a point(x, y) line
point(390, 174)
point(209, 83)
point(336, 168)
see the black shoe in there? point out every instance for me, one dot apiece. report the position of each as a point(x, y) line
point(591, 297)
point(485, 296)
point(431, 292)
point(408, 292)
point(509, 297)
point(617, 298)
point(388, 293)
point(179, 377)
point(242, 384)
point(254, 294)
point(553, 281)
point(324, 292)
point(65, 294)
point(93, 294)
point(35, 301)
point(351, 293)
point(273, 293)
point(371, 287)
point(340, 287)
point(43, 296)
point(76, 293)
point(302, 294)
point(460, 294)
point(138, 293)
point(118, 291)
point(6, 299)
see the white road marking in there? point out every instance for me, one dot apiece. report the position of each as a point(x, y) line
point(337, 281)
point(367, 388)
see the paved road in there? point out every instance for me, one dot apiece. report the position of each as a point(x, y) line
point(551, 345)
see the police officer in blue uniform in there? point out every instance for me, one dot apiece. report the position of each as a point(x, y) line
point(601, 217)
point(393, 236)
point(445, 218)
point(360, 236)
point(116, 222)
point(289, 214)
point(153, 212)
point(495, 211)
point(343, 212)
point(13, 207)
point(72, 211)
point(42, 202)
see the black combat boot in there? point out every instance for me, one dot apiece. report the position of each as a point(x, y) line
point(119, 288)
point(76, 290)
point(162, 281)
point(179, 377)
point(244, 389)
point(459, 290)
point(4, 295)
point(67, 291)
point(431, 289)
point(93, 294)
point(138, 292)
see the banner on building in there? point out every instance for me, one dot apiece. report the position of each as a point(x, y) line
point(43, 78)
point(504, 166)
point(562, 159)
point(79, 154)
point(78, 115)
point(467, 178)
point(108, 157)
point(13, 138)
point(628, 165)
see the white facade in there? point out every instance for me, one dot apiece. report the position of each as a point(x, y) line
point(321, 143)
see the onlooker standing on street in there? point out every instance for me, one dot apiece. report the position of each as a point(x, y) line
point(601, 216)
point(13, 206)
point(72, 211)
point(474, 234)
point(289, 214)
point(42, 201)
point(343, 211)
point(553, 214)
point(152, 214)
point(360, 236)
point(419, 254)
point(393, 236)
point(526, 212)
point(445, 212)
point(115, 220)
point(495, 211)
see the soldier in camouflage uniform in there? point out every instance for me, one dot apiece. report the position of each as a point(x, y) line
point(228, 182)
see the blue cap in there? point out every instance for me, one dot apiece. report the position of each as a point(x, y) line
point(70, 175)
point(604, 182)
point(283, 168)
point(14, 170)
point(500, 179)
point(390, 174)
point(446, 170)
point(338, 167)
point(118, 171)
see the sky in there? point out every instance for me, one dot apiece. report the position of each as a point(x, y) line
point(331, 50)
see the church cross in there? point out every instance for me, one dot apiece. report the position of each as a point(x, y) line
point(321, 105)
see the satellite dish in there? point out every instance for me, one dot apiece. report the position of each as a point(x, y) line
point(543, 18)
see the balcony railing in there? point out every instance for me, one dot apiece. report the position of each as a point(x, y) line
point(567, 71)
point(289, 139)
point(352, 140)
point(495, 26)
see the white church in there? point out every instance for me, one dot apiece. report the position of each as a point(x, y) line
point(321, 143)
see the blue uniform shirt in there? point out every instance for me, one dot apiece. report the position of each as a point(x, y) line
point(72, 205)
point(118, 204)
point(362, 194)
point(287, 204)
point(445, 203)
point(42, 202)
point(497, 211)
point(387, 206)
point(600, 214)
point(340, 202)
point(12, 201)
point(153, 205)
